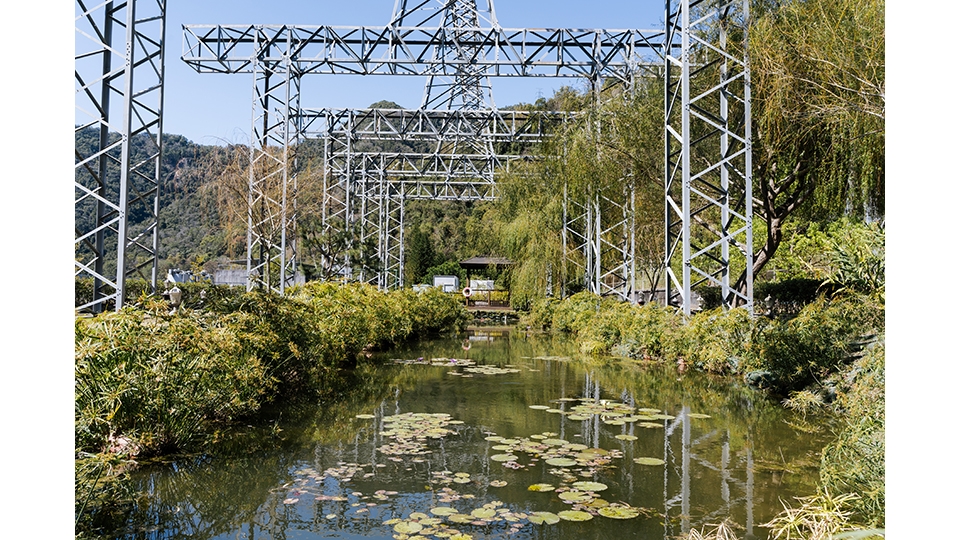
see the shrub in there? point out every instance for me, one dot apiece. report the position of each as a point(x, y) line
point(155, 378)
point(855, 461)
point(716, 341)
point(806, 349)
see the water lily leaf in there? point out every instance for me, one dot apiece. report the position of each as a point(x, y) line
point(578, 417)
point(616, 422)
point(483, 513)
point(364, 416)
point(539, 518)
point(418, 516)
point(561, 462)
point(408, 527)
point(494, 438)
point(540, 407)
point(575, 496)
point(462, 480)
point(574, 515)
point(648, 461)
point(503, 457)
point(541, 487)
point(698, 415)
point(650, 425)
point(459, 518)
point(575, 447)
point(444, 511)
point(627, 437)
point(619, 512)
point(555, 411)
point(590, 486)
point(497, 483)
point(554, 442)
point(502, 447)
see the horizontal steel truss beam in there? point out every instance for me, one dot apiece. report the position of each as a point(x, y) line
point(599, 243)
point(392, 50)
point(126, 68)
point(431, 125)
point(708, 167)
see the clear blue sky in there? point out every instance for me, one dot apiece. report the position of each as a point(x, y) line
point(213, 109)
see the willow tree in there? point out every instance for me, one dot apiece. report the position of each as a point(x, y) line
point(613, 145)
point(818, 113)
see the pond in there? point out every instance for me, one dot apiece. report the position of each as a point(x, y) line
point(495, 434)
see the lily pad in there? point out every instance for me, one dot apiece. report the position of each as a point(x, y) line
point(590, 486)
point(648, 461)
point(540, 407)
point(503, 457)
point(574, 496)
point(497, 483)
point(619, 512)
point(627, 437)
point(554, 442)
point(539, 518)
point(574, 515)
point(483, 513)
point(444, 511)
point(364, 416)
point(459, 518)
point(698, 415)
point(561, 462)
point(541, 487)
point(578, 417)
point(408, 527)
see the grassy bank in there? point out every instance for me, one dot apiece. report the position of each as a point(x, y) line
point(829, 356)
point(150, 382)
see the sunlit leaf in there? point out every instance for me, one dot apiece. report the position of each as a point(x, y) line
point(503, 457)
point(574, 515)
point(561, 462)
point(540, 518)
point(364, 416)
point(408, 527)
point(590, 486)
point(541, 487)
point(443, 511)
point(574, 496)
point(619, 512)
point(648, 461)
point(483, 513)
point(627, 437)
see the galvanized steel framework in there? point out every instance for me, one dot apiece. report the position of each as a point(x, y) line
point(707, 179)
point(458, 55)
point(119, 90)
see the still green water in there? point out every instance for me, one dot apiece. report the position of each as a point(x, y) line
point(450, 450)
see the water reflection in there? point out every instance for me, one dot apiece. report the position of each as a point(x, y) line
point(325, 473)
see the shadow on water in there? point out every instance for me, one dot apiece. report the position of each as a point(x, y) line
point(719, 449)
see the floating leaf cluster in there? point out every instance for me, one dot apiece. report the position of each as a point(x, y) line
point(410, 432)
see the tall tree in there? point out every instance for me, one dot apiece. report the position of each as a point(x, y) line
point(818, 108)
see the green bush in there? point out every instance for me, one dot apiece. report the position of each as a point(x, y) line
point(807, 348)
point(159, 380)
point(717, 341)
point(854, 463)
point(156, 378)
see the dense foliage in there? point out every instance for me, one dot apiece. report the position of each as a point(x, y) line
point(160, 380)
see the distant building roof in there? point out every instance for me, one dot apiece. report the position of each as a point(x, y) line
point(483, 262)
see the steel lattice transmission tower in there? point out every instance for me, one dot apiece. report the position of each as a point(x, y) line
point(119, 66)
point(706, 120)
point(708, 173)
